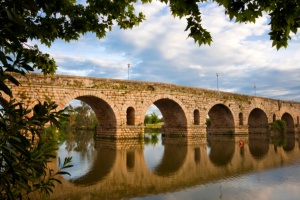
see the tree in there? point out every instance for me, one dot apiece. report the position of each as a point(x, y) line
point(80, 117)
point(24, 152)
point(154, 118)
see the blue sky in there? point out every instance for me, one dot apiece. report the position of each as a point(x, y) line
point(159, 50)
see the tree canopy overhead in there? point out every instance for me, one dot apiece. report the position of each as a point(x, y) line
point(48, 20)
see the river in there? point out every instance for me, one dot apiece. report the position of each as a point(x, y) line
point(216, 167)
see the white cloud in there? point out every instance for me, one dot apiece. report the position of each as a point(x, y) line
point(159, 50)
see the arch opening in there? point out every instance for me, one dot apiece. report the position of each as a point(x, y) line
point(130, 116)
point(274, 117)
point(220, 120)
point(81, 116)
point(106, 122)
point(172, 117)
point(289, 122)
point(196, 117)
point(241, 119)
point(258, 121)
point(172, 113)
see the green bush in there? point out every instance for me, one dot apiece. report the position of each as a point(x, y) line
point(25, 149)
point(278, 126)
point(208, 122)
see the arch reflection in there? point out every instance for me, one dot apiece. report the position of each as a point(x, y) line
point(91, 163)
point(104, 161)
point(221, 149)
point(258, 145)
point(173, 157)
point(290, 142)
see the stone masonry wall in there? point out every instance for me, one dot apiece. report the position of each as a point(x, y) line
point(110, 99)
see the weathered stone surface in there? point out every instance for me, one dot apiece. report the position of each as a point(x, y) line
point(121, 105)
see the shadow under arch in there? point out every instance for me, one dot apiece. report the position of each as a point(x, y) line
point(222, 149)
point(258, 121)
point(258, 145)
point(174, 156)
point(173, 115)
point(289, 122)
point(104, 161)
point(106, 117)
point(221, 119)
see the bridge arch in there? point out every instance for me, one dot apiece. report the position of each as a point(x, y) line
point(289, 121)
point(221, 119)
point(257, 121)
point(172, 110)
point(106, 111)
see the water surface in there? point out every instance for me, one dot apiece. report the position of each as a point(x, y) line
point(216, 167)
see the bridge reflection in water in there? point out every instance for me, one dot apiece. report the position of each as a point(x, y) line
point(119, 169)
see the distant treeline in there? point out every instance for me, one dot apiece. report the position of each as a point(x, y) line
point(152, 119)
point(81, 118)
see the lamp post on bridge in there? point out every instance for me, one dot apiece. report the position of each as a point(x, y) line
point(128, 70)
point(217, 81)
point(254, 87)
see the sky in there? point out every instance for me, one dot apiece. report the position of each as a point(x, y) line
point(159, 50)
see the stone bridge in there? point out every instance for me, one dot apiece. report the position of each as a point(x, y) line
point(121, 105)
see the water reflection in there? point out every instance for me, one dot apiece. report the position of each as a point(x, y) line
point(80, 146)
point(258, 145)
point(90, 163)
point(286, 141)
point(221, 149)
point(124, 169)
point(173, 158)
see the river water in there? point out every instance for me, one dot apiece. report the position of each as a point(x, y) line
point(216, 167)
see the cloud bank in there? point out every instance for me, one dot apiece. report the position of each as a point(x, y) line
point(159, 50)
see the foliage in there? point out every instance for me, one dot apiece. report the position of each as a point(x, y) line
point(80, 117)
point(24, 152)
point(152, 119)
point(279, 140)
point(278, 126)
point(208, 122)
point(151, 139)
